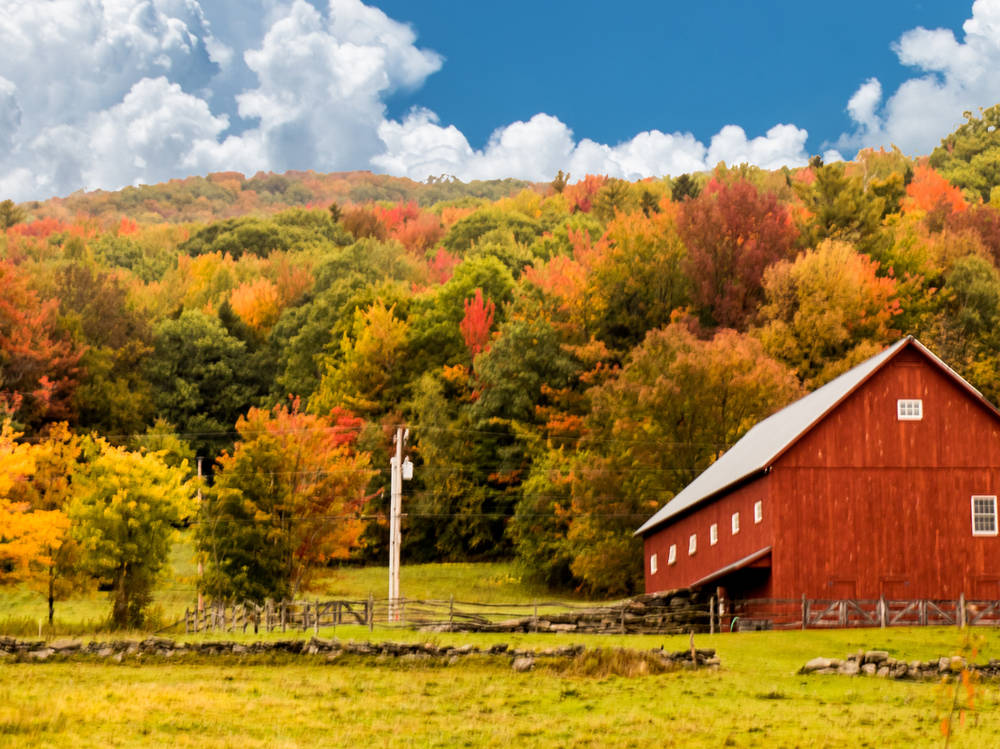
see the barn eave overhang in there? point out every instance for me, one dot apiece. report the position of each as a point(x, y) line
point(746, 561)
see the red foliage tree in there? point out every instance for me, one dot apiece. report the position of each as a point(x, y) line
point(580, 195)
point(441, 266)
point(983, 221)
point(476, 324)
point(415, 230)
point(38, 364)
point(733, 231)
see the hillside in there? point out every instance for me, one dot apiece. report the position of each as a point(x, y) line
point(223, 195)
point(566, 356)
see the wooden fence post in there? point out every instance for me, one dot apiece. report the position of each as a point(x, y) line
point(805, 611)
point(316, 618)
point(960, 614)
point(534, 619)
point(371, 611)
point(284, 614)
point(882, 613)
point(186, 621)
point(843, 613)
point(451, 611)
point(711, 615)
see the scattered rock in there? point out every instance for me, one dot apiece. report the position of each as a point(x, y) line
point(521, 665)
point(816, 664)
point(876, 656)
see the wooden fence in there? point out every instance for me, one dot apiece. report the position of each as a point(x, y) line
point(630, 616)
point(803, 613)
point(280, 615)
point(633, 616)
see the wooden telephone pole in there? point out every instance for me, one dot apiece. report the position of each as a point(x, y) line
point(400, 470)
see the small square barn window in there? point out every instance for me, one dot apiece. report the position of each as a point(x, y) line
point(652, 564)
point(736, 523)
point(984, 516)
point(910, 409)
point(693, 544)
point(713, 534)
point(672, 554)
point(758, 511)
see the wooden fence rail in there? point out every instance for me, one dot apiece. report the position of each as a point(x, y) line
point(625, 616)
point(622, 617)
point(803, 613)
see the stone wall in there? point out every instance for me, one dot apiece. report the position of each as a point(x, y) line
point(668, 612)
point(879, 663)
point(160, 649)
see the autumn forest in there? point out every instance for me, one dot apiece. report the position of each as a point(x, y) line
point(231, 355)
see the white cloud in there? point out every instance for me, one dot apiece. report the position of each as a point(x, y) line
point(419, 147)
point(322, 82)
point(955, 76)
point(104, 94)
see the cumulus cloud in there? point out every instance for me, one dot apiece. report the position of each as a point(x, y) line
point(127, 91)
point(955, 76)
point(419, 147)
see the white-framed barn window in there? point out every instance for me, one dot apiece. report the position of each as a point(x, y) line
point(672, 554)
point(652, 563)
point(736, 523)
point(984, 515)
point(692, 544)
point(713, 534)
point(909, 409)
point(758, 511)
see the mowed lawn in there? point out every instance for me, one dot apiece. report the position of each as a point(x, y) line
point(755, 699)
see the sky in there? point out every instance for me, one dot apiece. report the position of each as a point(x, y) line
point(108, 93)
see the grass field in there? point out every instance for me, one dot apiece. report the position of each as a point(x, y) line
point(755, 699)
point(22, 610)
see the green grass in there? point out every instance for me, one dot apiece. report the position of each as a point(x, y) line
point(756, 700)
point(22, 609)
point(493, 582)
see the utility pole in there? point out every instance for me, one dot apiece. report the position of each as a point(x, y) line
point(400, 469)
point(201, 567)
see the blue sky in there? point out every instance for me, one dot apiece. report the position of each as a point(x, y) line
point(690, 66)
point(102, 94)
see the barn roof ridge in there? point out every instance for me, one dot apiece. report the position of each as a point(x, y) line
point(766, 441)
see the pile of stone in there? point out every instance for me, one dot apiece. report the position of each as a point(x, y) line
point(330, 650)
point(879, 663)
point(668, 612)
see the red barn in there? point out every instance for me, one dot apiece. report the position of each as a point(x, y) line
point(883, 482)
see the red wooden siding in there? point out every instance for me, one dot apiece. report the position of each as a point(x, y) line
point(708, 559)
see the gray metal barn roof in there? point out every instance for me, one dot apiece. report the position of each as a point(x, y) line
point(769, 438)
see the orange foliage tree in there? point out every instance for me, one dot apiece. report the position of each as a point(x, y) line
point(932, 193)
point(28, 538)
point(289, 497)
point(827, 311)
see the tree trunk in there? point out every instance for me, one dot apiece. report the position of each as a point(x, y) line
point(52, 596)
